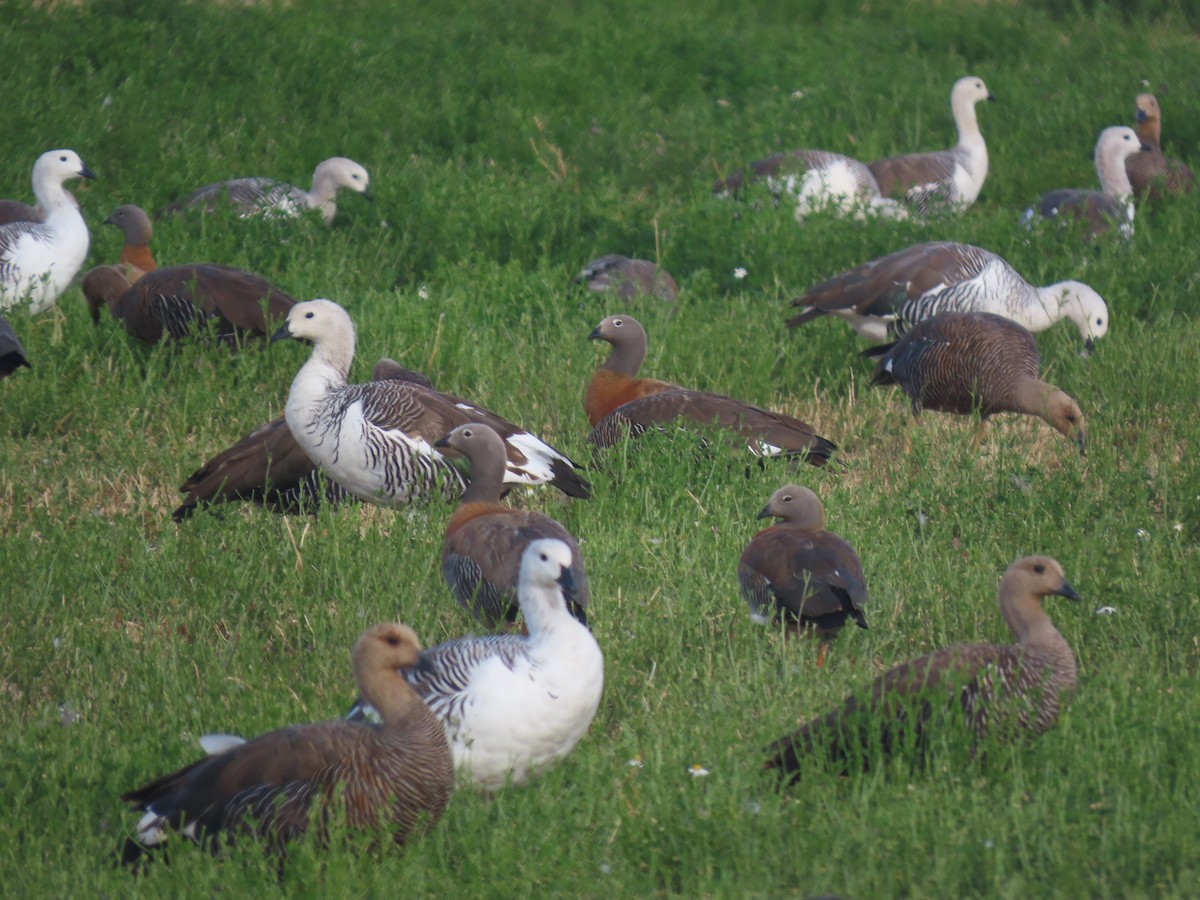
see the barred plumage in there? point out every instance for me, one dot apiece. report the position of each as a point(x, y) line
point(887, 296)
point(1006, 691)
point(1152, 174)
point(975, 363)
point(400, 771)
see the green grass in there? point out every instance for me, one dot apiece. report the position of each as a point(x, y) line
point(242, 620)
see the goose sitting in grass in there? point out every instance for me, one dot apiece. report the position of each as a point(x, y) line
point(376, 439)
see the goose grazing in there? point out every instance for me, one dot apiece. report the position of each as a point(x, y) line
point(179, 301)
point(618, 403)
point(135, 259)
point(399, 773)
point(38, 260)
point(887, 296)
point(511, 704)
point(1112, 204)
point(818, 180)
point(970, 363)
point(12, 354)
point(1006, 690)
point(628, 278)
point(1152, 174)
point(277, 199)
point(798, 572)
point(376, 440)
point(947, 178)
point(485, 540)
point(267, 466)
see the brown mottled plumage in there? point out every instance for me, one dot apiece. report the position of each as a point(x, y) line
point(485, 540)
point(1007, 690)
point(12, 354)
point(135, 259)
point(618, 403)
point(399, 772)
point(799, 572)
point(180, 300)
point(628, 278)
point(1152, 174)
point(267, 466)
point(968, 363)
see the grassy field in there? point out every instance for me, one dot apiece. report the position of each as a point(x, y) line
point(507, 146)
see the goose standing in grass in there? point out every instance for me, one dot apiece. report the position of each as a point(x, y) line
point(512, 703)
point(485, 540)
point(12, 354)
point(949, 179)
point(398, 774)
point(887, 296)
point(619, 404)
point(180, 301)
point(1112, 204)
point(1152, 174)
point(628, 278)
point(798, 572)
point(277, 199)
point(975, 363)
point(376, 440)
point(1009, 690)
point(267, 466)
point(818, 180)
point(135, 259)
point(38, 260)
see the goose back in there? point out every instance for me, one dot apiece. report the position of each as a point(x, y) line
point(628, 278)
point(12, 354)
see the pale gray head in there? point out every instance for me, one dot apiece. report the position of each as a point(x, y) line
point(57, 166)
point(628, 340)
point(133, 222)
point(316, 320)
point(546, 564)
point(1116, 143)
point(343, 173)
point(1086, 309)
point(968, 91)
point(796, 505)
point(477, 442)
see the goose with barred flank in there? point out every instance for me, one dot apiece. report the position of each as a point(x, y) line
point(798, 572)
point(267, 466)
point(949, 179)
point(398, 774)
point(1152, 174)
point(38, 260)
point(975, 363)
point(273, 199)
point(376, 439)
point(135, 259)
point(180, 301)
point(628, 278)
point(886, 296)
point(618, 403)
point(485, 540)
point(818, 180)
point(512, 704)
point(1112, 204)
point(1003, 690)
point(12, 354)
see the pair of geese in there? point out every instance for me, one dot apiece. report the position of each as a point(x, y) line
point(43, 247)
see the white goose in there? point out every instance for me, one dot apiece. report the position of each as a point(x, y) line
point(376, 439)
point(39, 259)
point(278, 199)
point(887, 296)
point(514, 703)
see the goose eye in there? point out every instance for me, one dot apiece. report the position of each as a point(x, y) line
point(308, 315)
point(467, 433)
point(617, 323)
point(392, 640)
point(62, 159)
point(1099, 321)
point(543, 557)
point(1040, 569)
point(787, 499)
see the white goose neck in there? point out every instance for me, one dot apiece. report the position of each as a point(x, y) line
point(1114, 180)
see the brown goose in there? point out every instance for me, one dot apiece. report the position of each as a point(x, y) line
point(618, 403)
point(628, 278)
point(969, 363)
point(16, 211)
point(1112, 204)
point(1152, 174)
point(181, 300)
point(267, 466)
point(946, 178)
point(399, 772)
point(799, 572)
point(1000, 689)
point(12, 354)
point(888, 295)
point(485, 540)
point(135, 259)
